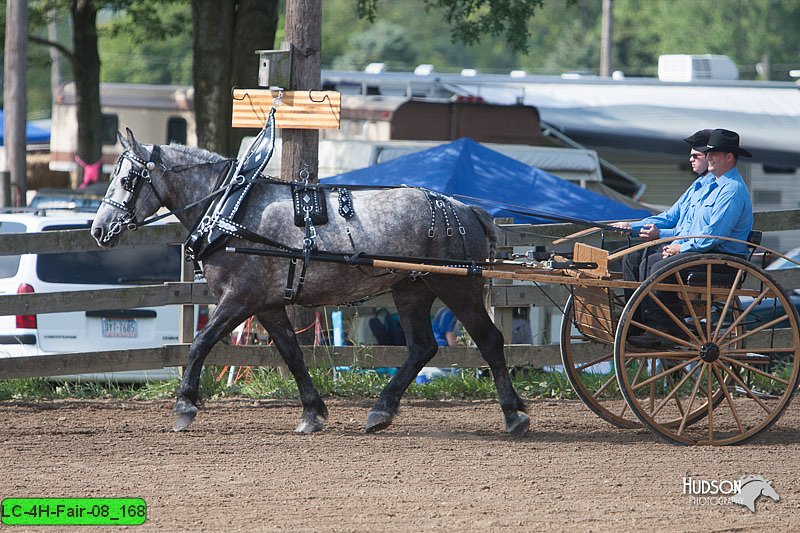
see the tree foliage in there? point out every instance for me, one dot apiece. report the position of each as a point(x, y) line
point(471, 20)
point(564, 35)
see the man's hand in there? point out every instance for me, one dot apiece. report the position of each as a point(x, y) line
point(624, 226)
point(670, 250)
point(649, 232)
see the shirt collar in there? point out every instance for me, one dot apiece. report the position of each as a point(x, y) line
point(732, 174)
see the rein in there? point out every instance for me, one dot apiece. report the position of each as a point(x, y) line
point(520, 210)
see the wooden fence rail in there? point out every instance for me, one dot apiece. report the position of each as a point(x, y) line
point(182, 293)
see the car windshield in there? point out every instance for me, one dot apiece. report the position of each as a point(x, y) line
point(122, 266)
point(9, 264)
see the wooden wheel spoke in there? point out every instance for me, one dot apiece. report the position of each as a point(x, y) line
point(745, 312)
point(692, 397)
point(663, 335)
point(593, 362)
point(758, 351)
point(754, 370)
point(749, 392)
point(636, 376)
point(678, 403)
point(672, 354)
point(672, 317)
point(697, 325)
point(728, 398)
point(609, 381)
point(624, 408)
point(660, 375)
point(709, 383)
point(672, 394)
point(728, 301)
point(762, 327)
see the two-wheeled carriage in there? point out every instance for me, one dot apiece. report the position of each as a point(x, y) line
point(725, 372)
point(726, 362)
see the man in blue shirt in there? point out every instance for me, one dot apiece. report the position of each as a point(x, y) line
point(445, 327)
point(716, 204)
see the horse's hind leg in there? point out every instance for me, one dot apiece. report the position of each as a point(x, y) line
point(226, 317)
point(413, 301)
point(465, 298)
point(280, 329)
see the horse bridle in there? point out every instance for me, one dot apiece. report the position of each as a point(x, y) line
point(138, 174)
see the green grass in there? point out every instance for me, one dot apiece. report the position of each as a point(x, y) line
point(269, 383)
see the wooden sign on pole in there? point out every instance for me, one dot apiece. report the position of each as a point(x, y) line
point(298, 110)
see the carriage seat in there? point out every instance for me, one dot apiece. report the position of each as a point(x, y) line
point(724, 279)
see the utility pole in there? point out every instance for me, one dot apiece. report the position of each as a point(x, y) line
point(304, 35)
point(607, 33)
point(14, 187)
point(55, 56)
point(301, 147)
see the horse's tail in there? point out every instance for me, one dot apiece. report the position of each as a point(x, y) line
point(489, 229)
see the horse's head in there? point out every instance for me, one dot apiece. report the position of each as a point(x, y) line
point(131, 195)
point(768, 490)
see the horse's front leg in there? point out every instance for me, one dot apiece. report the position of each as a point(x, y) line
point(413, 301)
point(226, 317)
point(280, 329)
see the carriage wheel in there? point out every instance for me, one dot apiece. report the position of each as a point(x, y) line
point(737, 346)
point(589, 366)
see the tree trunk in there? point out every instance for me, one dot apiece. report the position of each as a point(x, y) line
point(254, 29)
point(212, 25)
point(14, 97)
point(86, 71)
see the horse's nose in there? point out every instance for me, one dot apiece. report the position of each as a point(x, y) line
point(97, 233)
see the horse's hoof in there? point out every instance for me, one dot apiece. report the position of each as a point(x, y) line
point(310, 424)
point(519, 426)
point(377, 420)
point(183, 415)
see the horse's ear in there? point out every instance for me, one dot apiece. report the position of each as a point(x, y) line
point(122, 141)
point(131, 140)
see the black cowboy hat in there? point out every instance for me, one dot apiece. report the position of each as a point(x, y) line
point(698, 139)
point(724, 141)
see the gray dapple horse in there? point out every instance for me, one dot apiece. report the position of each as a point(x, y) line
point(388, 221)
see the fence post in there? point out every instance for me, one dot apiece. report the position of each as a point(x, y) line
point(186, 314)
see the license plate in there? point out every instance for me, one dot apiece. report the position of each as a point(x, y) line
point(119, 327)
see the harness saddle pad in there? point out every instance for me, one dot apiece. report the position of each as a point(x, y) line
point(309, 199)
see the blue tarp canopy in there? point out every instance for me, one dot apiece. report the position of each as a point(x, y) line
point(466, 168)
point(34, 134)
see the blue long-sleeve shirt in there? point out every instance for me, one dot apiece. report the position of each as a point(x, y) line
point(710, 206)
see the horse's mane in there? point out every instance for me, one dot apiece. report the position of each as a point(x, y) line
point(195, 153)
point(748, 479)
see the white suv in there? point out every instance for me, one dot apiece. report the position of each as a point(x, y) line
point(87, 331)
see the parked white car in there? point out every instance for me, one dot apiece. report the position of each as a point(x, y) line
point(87, 331)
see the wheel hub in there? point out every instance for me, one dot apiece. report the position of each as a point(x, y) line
point(709, 352)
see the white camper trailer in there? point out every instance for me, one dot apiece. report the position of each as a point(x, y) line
point(155, 113)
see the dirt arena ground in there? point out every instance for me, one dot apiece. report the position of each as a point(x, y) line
point(442, 466)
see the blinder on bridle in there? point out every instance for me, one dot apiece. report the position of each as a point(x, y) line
point(138, 174)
